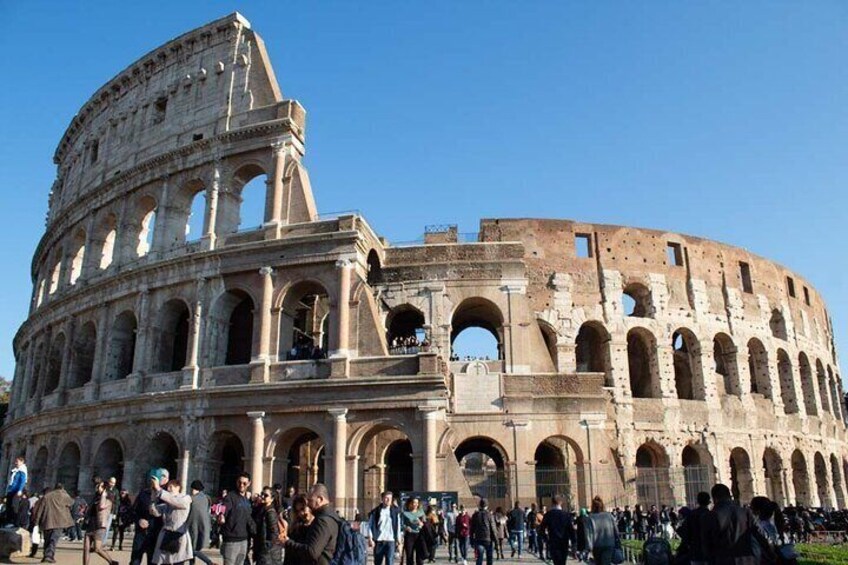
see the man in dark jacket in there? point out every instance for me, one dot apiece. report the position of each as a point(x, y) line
point(516, 524)
point(558, 528)
point(147, 526)
point(483, 532)
point(731, 530)
point(320, 543)
point(236, 522)
point(693, 544)
point(53, 516)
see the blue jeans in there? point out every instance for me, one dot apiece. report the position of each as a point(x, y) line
point(516, 537)
point(482, 546)
point(463, 546)
point(384, 551)
point(531, 539)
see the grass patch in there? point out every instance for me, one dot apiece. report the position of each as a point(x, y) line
point(809, 554)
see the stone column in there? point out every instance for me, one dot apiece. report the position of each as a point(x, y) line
point(429, 415)
point(274, 199)
point(191, 372)
point(256, 444)
point(209, 237)
point(262, 360)
point(339, 458)
point(345, 267)
point(64, 372)
point(183, 463)
point(101, 352)
point(141, 357)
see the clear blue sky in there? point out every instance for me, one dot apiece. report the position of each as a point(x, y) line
point(726, 120)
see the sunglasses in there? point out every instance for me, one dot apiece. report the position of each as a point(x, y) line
point(266, 495)
point(244, 482)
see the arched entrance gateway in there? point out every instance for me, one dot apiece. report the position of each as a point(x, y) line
point(741, 476)
point(560, 469)
point(698, 472)
point(227, 459)
point(653, 481)
point(773, 472)
point(483, 464)
point(299, 458)
point(800, 479)
point(385, 463)
point(69, 467)
point(109, 461)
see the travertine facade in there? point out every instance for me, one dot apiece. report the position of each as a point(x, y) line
point(639, 364)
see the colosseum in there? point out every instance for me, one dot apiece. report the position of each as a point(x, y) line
point(167, 329)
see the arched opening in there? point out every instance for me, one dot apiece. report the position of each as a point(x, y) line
point(560, 469)
point(636, 301)
point(741, 476)
point(375, 269)
point(107, 248)
point(787, 383)
point(301, 451)
point(724, 354)
point(482, 462)
point(146, 210)
point(251, 212)
point(642, 364)
point(821, 378)
point(305, 322)
point(227, 460)
point(78, 257)
point(386, 463)
point(121, 347)
point(836, 475)
point(777, 325)
point(835, 402)
point(698, 473)
point(688, 376)
point(807, 384)
point(37, 365)
point(821, 481)
point(405, 330)
point(55, 276)
point(38, 471)
point(67, 472)
point(549, 335)
point(398, 466)
point(653, 481)
point(109, 461)
point(477, 330)
point(82, 365)
point(162, 452)
point(54, 364)
point(173, 336)
point(196, 217)
point(773, 473)
point(800, 478)
point(231, 329)
point(592, 350)
point(758, 368)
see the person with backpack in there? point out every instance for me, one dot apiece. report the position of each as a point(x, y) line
point(384, 530)
point(598, 533)
point(516, 524)
point(732, 533)
point(322, 535)
point(484, 532)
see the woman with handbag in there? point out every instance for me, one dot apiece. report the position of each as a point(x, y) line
point(173, 545)
point(98, 515)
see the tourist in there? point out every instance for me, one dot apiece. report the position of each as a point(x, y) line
point(123, 520)
point(500, 525)
point(236, 523)
point(693, 543)
point(147, 526)
point(483, 532)
point(640, 522)
point(112, 487)
point(267, 549)
point(286, 501)
point(411, 521)
point(78, 514)
point(15, 488)
point(36, 535)
point(541, 538)
point(320, 542)
point(516, 525)
point(429, 536)
point(450, 528)
point(199, 523)
point(463, 532)
point(384, 530)
point(53, 516)
point(598, 533)
point(732, 532)
point(558, 527)
point(300, 518)
point(98, 516)
point(173, 544)
point(530, 521)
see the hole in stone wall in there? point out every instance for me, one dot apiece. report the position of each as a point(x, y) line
point(583, 245)
point(674, 253)
point(745, 275)
point(790, 286)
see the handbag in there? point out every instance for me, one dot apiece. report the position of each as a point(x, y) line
point(618, 552)
point(171, 541)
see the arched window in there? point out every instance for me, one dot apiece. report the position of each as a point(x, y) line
point(145, 234)
point(773, 471)
point(592, 350)
point(78, 257)
point(54, 364)
point(787, 384)
point(549, 335)
point(821, 377)
point(642, 364)
point(483, 464)
point(688, 375)
point(375, 270)
point(85, 344)
point(477, 330)
point(724, 355)
point(54, 276)
point(108, 252)
point(230, 329)
point(196, 217)
point(777, 324)
point(122, 347)
point(758, 368)
point(245, 210)
point(305, 322)
point(808, 386)
point(653, 485)
point(173, 336)
point(637, 301)
point(405, 330)
point(39, 292)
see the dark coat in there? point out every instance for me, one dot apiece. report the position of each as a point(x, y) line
point(199, 523)
point(559, 527)
point(692, 532)
point(54, 511)
point(320, 542)
point(731, 533)
point(483, 527)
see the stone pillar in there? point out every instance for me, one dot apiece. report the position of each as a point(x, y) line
point(183, 463)
point(274, 199)
point(260, 363)
point(101, 351)
point(256, 443)
point(191, 371)
point(345, 267)
point(65, 371)
point(209, 237)
point(429, 415)
point(141, 357)
point(339, 458)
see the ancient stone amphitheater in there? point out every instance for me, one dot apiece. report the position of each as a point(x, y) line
point(639, 364)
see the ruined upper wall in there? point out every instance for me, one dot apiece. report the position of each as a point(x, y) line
point(193, 87)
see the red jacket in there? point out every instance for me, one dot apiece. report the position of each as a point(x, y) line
point(463, 525)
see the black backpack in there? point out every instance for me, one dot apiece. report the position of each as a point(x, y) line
point(657, 551)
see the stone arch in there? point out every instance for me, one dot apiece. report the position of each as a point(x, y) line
point(642, 364)
point(777, 325)
point(173, 326)
point(800, 478)
point(741, 476)
point(821, 480)
point(404, 323)
point(773, 472)
point(83, 355)
point(726, 365)
point(758, 368)
point(68, 466)
point(560, 469)
point(836, 475)
point(479, 312)
point(688, 371)
point(835, 401)
point(162, 451)
point(299, 457)
point(787, 383)
point(375, 268)
point(37, 365)
point(698, 471)
point(807, 384)
point(77, 256)
point(178, 216)
point(38, 470)
point(241, 209)
point(53, 374)
point(122, 346)
point(592, 350)
point(653, 480)
point(107, 241)
point(305, 314)
point(55, 276)
point(637, 301)
point(549, 335)
point(483, 464)
point(231, 329)
point(141, 226)
point(821, 379)
point(109, 460)
point(227, 461)
point(385, 453)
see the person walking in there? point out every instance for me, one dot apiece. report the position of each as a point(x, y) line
point(384, 530)
point(463, 532)
point(450, 528)
point(320, 543)
point(173, 544)
point(732, 533)
point(14, 489)
point(516, 524)
point(53, 517)
point(147, 526)
point(500, 525)
point(693, 543)
point(483, 532)
point(122, 520)
point(36, 535)
point(412, 519)
point(558, 528)
point(597, 533)
point(98, 517)
point(235, 522)
point(267, 549)
point(114, 494)
point(429, 536)
point(78, 511)
point(199, 523)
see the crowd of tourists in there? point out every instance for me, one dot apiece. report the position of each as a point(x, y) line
point(408, 345)
point(305, 350)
